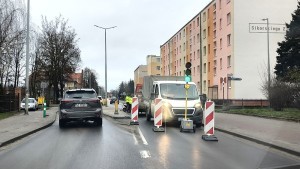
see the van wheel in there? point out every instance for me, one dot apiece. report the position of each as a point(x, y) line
point(148, 114)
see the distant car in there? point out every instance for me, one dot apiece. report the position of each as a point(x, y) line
point(80, 105)
point(112, 100)
point(32, 104)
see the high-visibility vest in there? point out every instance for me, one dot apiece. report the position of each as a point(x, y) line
point(130, 100)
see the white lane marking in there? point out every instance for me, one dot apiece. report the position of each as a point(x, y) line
point(145, 154)
point(142, 136)
point(135, 139)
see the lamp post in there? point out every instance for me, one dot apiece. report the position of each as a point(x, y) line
point(27, 59)
point(105, 58)
point(269, 71)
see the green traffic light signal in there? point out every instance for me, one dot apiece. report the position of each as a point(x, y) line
point(188, 72)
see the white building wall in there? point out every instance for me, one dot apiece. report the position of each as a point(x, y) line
point(250, 49)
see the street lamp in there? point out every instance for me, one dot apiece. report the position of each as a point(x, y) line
point(269, 71)
point(27, 59)
point(105, 59)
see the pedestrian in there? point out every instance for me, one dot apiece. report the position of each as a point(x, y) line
point(128, 100)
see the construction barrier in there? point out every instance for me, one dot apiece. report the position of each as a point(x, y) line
point(209, 122)
point(134, 111)
point(158, 116)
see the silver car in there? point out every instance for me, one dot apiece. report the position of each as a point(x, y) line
point(80, 105)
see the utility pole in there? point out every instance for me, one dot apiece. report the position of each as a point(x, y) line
point(27, 59)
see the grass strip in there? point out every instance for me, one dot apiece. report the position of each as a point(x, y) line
point(286, 114)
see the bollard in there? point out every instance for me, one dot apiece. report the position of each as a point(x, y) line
point(209, 122)
point(116, 106)
point(158, 116)
point(134, 111)
point(45, 107)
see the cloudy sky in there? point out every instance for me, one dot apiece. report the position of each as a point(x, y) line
point(142, 26)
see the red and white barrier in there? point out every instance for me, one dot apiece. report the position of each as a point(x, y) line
point(134, 111)
point(158, 117)
point(209, 122)
point(158, 113)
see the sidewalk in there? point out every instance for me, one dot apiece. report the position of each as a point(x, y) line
point(20, 126)
point(278, 134)
point(110, 111)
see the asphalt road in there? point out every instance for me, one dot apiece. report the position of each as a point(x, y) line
point(117, 145)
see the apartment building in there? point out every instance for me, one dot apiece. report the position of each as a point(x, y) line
point(152, 68)
point(153, 65)
point(221, 43)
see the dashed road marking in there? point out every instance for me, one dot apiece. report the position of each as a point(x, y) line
point(142, 136)
point(145, 154)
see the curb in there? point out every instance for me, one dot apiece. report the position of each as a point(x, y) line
point(124, 117)
point(27, 134)
point(260, 142)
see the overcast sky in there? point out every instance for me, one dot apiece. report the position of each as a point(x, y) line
point(142, 26)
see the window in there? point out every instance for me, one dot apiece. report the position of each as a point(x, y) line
point(180, 49)
point(208, 31)
point(204, 16)
point(220, 4)
point(228, 39)
point(204, 85)
point(228, 18)
point(221, 64)
point(208, 48)
point(157, 67)
point(208, 67)
point(214, 15)
point(204, 51)
point(157, 59)
point(215, 52)
point(215, 33)
point(220, 23)
point(228, 61)
point(183, 32)
point(198, 38)
point(194, 56)
point(204, 67)
point(215, 44)
point(198, 69)
point(198, 53)
point(204, 33)
point(221, 43)
point(215, 26)
point(214, 6)
point(198, 21)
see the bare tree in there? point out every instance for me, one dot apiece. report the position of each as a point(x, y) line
point(60, 54)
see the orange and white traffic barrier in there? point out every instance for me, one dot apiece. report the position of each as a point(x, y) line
point(209, 122)
point(134, 111)
point(158, 118)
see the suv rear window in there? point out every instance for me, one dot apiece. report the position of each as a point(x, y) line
point(80, 94)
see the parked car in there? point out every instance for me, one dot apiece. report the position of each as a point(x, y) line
point(32, 104)
point(80, 105)
point(112, 100)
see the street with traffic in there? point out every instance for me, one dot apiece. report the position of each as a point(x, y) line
point(117, 144)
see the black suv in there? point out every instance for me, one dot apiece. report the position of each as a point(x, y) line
point(80, 105)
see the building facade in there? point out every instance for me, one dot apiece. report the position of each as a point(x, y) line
point(139, 74)
point(153, 65)
point(228, 55)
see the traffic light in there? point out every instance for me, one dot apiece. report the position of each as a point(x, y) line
point(188, 72)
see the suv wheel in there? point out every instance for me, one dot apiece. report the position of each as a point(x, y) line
point(62, 123)
point(98, 122)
